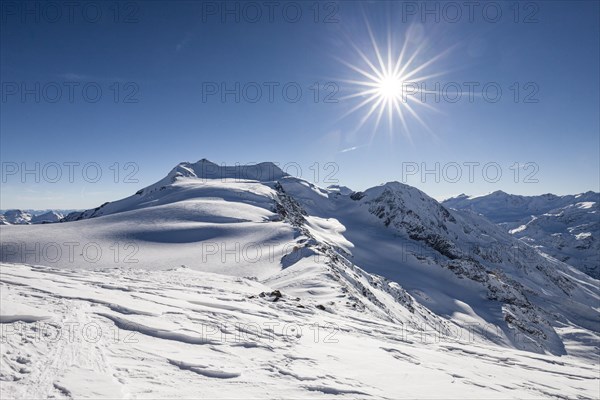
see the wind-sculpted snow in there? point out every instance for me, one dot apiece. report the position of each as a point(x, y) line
point(214, 336)
point(178, 264)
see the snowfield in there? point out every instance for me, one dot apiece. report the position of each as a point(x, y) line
point(217, 282)
point(189, 334)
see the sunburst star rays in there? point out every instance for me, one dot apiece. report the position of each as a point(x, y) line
point(389, 84)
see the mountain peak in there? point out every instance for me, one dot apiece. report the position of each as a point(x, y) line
point(395, 185)
point(17, 217)
point(206, 169)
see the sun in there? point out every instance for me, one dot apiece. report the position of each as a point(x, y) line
point(390, 83)
point(390, 87)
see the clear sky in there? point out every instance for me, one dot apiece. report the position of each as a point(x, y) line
point(137, 87)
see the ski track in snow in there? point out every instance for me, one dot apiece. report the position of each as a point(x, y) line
point(158, 334)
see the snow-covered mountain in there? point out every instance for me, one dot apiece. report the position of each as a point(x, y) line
point(47, 218)
point(565, 227)
point(16, 217)
point(25, 217)
point(210, 245)
point(501, 207)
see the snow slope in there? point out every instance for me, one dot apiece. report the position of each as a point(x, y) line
point(187, 334)
point(211, 244)
point(459, 265)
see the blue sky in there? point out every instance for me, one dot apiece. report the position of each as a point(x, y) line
point(155, 63)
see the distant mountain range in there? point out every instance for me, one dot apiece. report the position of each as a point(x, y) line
point(26, 217)
point(564, 227)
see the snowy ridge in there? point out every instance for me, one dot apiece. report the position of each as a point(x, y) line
point(202, 170)
point(255, 245)
point(503, 270)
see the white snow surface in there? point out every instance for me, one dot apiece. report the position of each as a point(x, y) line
point(189, 334)
point(217, 282)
